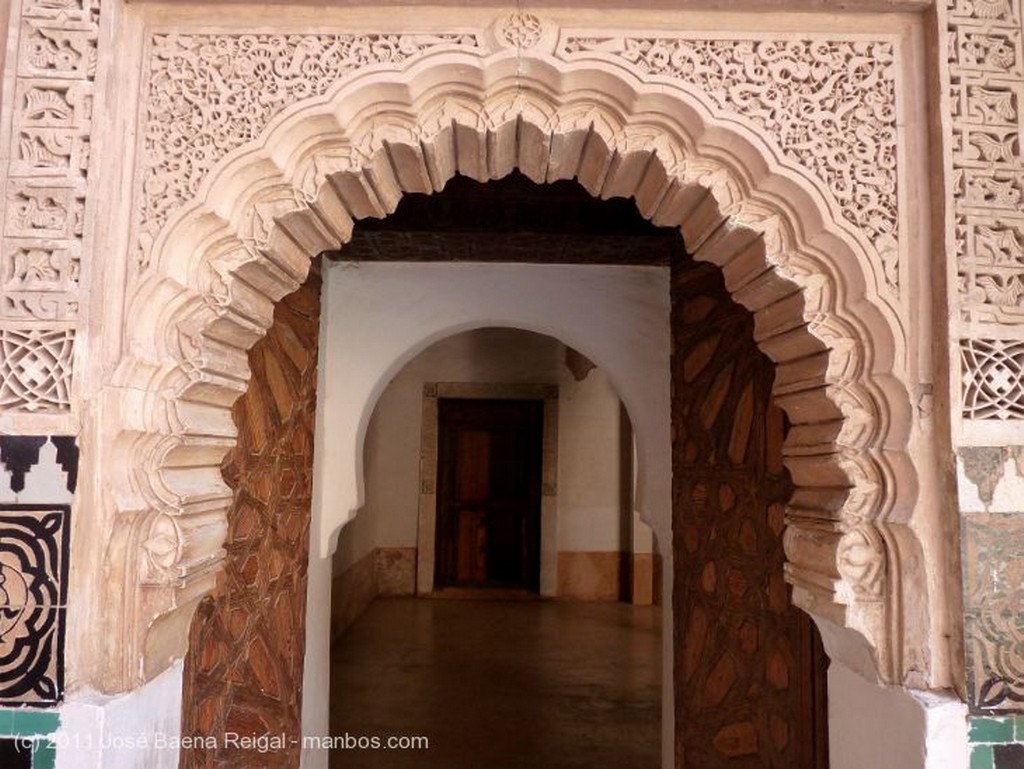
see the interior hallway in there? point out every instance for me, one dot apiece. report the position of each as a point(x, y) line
point(500, 685)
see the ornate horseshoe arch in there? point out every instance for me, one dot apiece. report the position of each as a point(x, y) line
point(525, 96)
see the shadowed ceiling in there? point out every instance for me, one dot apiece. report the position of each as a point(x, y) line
point(512, 220)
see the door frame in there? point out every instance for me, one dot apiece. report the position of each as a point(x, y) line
point(426, 530)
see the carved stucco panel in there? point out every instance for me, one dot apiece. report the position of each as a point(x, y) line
point(827, 105)
point(985, 241)
point(209, 94)
point(43, 190)
point(986, 71)
point(985, 82)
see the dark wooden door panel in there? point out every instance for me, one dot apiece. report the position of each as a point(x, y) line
point(489, 490)
point(749, 667)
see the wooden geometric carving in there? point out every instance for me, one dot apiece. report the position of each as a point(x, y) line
point(749, 672)
point(243, 672)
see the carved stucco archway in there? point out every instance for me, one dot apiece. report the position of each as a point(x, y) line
point(246, 238)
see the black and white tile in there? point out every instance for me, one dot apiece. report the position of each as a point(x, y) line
point(38, 475)
point(38, 469)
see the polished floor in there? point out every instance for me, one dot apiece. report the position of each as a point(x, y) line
point(498, 685)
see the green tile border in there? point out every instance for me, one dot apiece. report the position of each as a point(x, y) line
point(34, 726)
point(995, 730)
point(989, 734)
point(981, 757)
point(998, 730)
point(44, 754)
point(32, 723)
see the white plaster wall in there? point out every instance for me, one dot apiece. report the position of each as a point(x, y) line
point(1007, 488)
point(139, 729)
point(589, 466)
point(643, 537)
point(357, 540)
point(887, 726)
point(589, 434)
point(378, 317)
point(316, 677)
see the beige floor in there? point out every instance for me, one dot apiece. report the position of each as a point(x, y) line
point(500, 685)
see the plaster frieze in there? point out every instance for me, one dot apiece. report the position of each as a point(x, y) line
point(985, 80)
point(404, 117)
point(826, 105)
point(210, 94)
point(44, 182)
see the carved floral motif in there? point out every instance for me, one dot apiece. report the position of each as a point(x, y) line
point(521, 30)
point(830, 106)
point(210, 94)
point(39, 281)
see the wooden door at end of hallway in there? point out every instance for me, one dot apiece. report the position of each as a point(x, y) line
point(490, 455)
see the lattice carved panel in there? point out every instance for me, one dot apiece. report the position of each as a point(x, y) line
point(993, 379)
point(243, 672)
point(35, 369)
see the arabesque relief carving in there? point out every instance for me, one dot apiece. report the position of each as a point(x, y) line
point(521, 30)
point(209, 94)
point(44, 192)
point(986, 239)
point(986, 74)
point(986, 78)
point(829, 105)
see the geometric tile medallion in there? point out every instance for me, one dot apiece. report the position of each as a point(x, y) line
point(993, 548)
point(33, 595)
